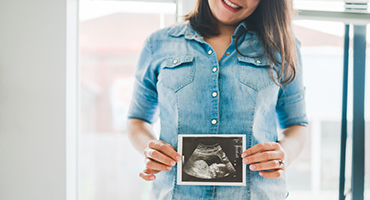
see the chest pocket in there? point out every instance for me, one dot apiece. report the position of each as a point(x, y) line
point(253, 72)
point(177, 72)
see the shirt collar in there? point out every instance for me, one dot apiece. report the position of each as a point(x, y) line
point(184, 28)
point(180, 29)
point(240, 28)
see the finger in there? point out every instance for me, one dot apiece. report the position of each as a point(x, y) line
point(165, 148)
point(266, 146)
point(159, 157)
point(151, 164)
point(264, 156)
point(272, 174)
point(269, 165)
point(151, 171)
point(147, 177)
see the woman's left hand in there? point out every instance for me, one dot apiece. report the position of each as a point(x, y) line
point(266, 156)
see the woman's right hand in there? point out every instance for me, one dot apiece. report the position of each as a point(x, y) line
point(159, 156)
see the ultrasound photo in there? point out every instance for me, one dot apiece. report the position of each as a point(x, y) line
point(211, 160)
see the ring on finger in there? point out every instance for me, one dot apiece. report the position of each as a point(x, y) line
point(281, 162)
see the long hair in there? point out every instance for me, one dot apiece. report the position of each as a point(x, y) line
point(272, 21)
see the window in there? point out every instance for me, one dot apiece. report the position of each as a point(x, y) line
point(324, 54)
point(315, 172)
point(111, 37)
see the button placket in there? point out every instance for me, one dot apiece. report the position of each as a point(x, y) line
point(214, 92)
point(214, 103)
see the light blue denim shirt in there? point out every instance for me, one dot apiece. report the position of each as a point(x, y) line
point(180, 80)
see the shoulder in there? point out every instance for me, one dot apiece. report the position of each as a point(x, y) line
point(168, 33)
point(167, 42)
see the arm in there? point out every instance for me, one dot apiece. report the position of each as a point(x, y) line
point(140, 133)
point(291, 113)
point(159, 156)
point(266, 156)
point(293, 142)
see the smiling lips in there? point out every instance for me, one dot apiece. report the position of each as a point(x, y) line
point(231, 6)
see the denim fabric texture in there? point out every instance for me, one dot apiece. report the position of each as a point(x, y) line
point(180, 80)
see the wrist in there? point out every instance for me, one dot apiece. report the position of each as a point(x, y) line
point(286, 154)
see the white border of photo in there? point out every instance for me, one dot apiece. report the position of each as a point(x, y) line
point(180, 163)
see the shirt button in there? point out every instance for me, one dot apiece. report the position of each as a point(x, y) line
point(188, 34)
point(210, 52)
point(214, 69)
point(258, 62)
point(214, 94)
point(214, 121)
point(196, 36)
point(175, 61)
point(227, 54)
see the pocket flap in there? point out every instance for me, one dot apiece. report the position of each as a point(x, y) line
point(256, 61)
point(175, 61)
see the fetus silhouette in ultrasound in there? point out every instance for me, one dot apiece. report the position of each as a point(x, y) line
point(208, 162)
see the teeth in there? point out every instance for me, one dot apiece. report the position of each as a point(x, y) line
point(231, 4)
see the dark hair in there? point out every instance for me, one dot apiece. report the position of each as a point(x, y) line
point(271, 20)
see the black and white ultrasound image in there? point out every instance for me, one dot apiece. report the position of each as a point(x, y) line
point(212, 159)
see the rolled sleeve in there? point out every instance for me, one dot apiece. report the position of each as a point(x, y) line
point(291, 105)
point(144, 100)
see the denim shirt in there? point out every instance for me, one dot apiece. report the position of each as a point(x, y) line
point(180, 80)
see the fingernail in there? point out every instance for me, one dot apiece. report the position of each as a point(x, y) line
point(261, 173)
point(173, 163)
point(169, 168)
point(252, 167)
point(178, 158)
point(244, 154)
point(151, 178)
point(245, 161)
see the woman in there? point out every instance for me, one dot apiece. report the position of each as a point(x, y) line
point(233, 67)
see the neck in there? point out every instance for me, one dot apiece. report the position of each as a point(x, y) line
point(226, 30)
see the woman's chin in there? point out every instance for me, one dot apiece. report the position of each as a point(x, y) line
point(228, 22)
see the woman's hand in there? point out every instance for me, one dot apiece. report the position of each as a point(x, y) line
point(266, 156)
point(159, 156)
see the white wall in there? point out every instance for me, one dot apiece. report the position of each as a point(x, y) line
point(34, 128)
point(185, 6)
